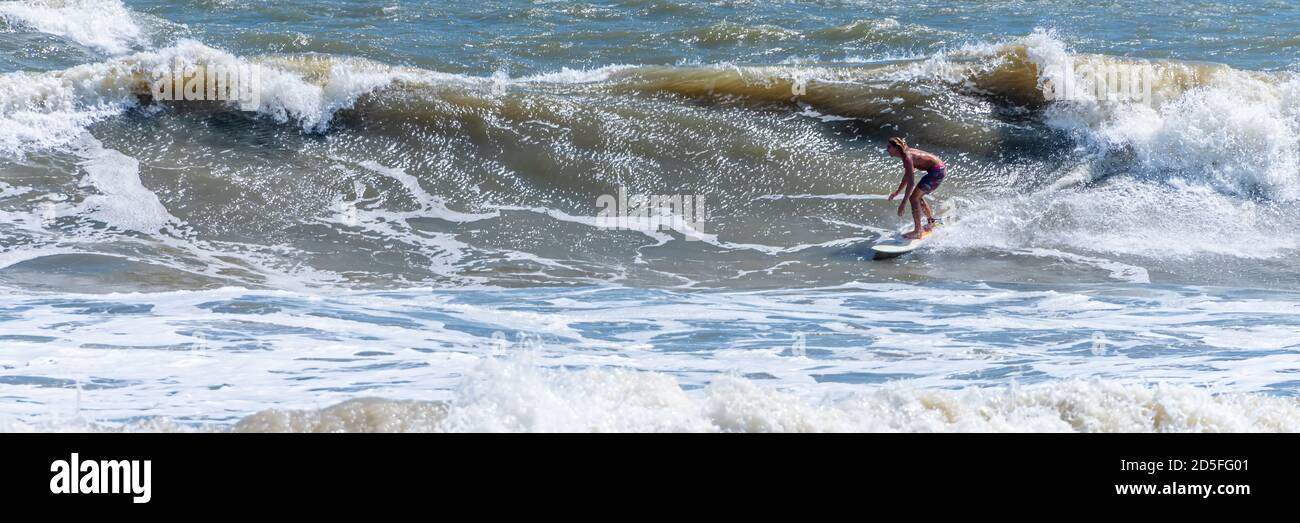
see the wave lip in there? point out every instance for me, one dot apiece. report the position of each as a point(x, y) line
point(51, 109)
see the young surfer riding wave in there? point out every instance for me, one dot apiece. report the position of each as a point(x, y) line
point(915, 192)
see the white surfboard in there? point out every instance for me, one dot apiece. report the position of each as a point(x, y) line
point(894, 247)
point(897, 245)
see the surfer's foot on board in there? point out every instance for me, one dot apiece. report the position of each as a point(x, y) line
point(917, 235)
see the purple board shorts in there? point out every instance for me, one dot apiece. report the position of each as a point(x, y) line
point(931, 180)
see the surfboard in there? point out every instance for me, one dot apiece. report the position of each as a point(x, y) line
point(896, 245)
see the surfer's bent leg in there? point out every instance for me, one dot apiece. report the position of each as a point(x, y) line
point(929, 183)
point(918, 201)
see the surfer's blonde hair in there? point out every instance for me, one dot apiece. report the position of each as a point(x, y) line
point(899, 143)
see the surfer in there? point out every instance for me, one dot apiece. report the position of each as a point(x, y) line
point(915, 192)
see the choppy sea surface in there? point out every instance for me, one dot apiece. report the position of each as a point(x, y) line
point(402, 232)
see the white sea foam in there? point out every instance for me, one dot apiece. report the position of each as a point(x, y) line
point(878, 357)
point(576, 76)
point(104, 25)
point(1128, 216)
point(430, 205)
point(508, 396)
point(122, 200)
point(657, 227)
point(1118, 270)
point(45, 110)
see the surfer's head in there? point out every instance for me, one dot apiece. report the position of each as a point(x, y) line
point(897, 147)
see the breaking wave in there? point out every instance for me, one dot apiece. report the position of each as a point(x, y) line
point(510, 397)
point(1217, 147)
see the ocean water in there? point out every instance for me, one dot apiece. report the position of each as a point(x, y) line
point(403, 231)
